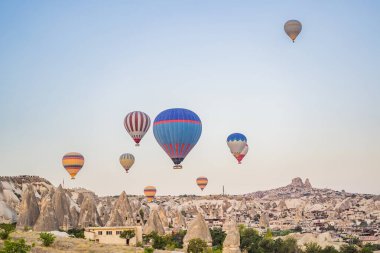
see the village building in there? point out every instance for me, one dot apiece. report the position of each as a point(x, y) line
point(111, 235)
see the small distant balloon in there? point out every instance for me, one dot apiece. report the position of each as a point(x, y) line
point(127, 160)
point(293, 28)
point(150, 192)
point(137, 125)
point(202, 182)
point(242, 154)
point(236, 142)
point(73, 163)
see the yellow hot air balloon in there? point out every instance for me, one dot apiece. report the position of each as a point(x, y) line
point(202, 182)
point(150, 192)
point(293, 28)
point(127, 160)
point(73, 163)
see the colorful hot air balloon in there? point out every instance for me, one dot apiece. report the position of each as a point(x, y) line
point(242, 154)
point(150, 192)
point(236, 142)
point(293, 28)
point(73, 162)
point(177, 131)
point(127, 160)
point(202, 182)
point(137, 124)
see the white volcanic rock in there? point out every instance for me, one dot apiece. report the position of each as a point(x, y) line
point(163, 217)
point(29, 209)
point(232, 242)
point(61, 205)
point(297, 182)
point(197, 229)
point(264, 221)
point(154, 224)
point(344, 205)
point(74, 217)
point(179, 221)
point(7, 213)
point(122, 209)
point(47, 220)
point(88, 214)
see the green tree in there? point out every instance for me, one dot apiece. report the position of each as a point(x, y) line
point(368, 248)
point(267, 245)
point(290, 246)
point(178, 238)
point(329, 249)
point(218, 236)
point(5, 230)
point(197, 246)
point(77, 233)
point(312, 247)
point(47, 239)
point(17, 246)
point(127, 234)
point(348, 248)
point(249, 240)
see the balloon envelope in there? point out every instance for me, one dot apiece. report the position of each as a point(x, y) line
point(137, 124)
point(127, 160)
point(150, 192)
point(177, 131)
point(242, 153)
point(202, 182)
point(293, 28)
point(73, 163)
point(236, 142)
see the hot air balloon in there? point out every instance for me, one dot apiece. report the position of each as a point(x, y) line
point(137, 124)
point(150, 192)
point(177, 131)
point(242, 154)
point(202, 182)
point(73, 162)
point(293, 28)
point(127, 160)
point(236, 142)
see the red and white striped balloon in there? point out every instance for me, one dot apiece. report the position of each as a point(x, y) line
point(137, 124)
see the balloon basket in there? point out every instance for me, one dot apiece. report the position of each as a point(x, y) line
point(137, 145)
point(177, 167)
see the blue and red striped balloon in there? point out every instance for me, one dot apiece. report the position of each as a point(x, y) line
point(177, 131)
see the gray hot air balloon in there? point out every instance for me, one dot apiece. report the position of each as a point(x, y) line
point(293, 28)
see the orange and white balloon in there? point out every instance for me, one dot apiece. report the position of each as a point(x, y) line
point(202, 182)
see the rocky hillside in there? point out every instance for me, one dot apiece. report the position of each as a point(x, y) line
point(35, 202)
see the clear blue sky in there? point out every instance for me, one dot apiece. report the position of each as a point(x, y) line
point(71, 70)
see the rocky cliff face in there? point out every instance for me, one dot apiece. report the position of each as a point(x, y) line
point(29, 209)
point(232, 242)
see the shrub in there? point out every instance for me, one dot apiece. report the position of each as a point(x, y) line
point(47, 239)
point(5, 230)
point(197, 246)
point(218, 236)
point(148, 250)
point(4, 234)
point(17, 246)
point(313, 247)
point(77, 233)
point(348, 249)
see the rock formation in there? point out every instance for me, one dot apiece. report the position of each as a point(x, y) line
point(47, 220)
point(123, 209)
point(29, 209)
point(232, 242)
point(198, 229)
point(297, 182)
point(74, 217)
point(282, 205)
point(179, 221)
point(154, 224)
point(307, 184)
point(163, 217)
point(88, 215)
point(264, 221)
point(61, 205)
